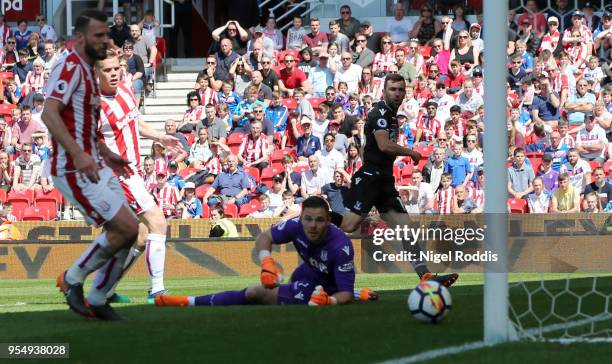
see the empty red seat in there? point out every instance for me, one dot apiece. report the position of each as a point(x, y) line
point(250, 207)
point(254, 172)
point(205, 211)
point(230, 210)
point(517, 205)
point(35, 214)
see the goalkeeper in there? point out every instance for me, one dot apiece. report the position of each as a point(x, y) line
point(326, 276)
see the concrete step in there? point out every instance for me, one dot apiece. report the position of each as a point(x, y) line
point(153, 118)
point(165, 109)
point(188, 68)
point(188, 76)
point(160, 101)
point(187, 61)
point(178, 85)
point(174, 93)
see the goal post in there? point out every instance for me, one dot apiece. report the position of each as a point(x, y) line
point(497, 326)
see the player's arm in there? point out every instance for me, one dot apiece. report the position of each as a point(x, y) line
point(83, 162)
point(150, 133)
point(393, 149)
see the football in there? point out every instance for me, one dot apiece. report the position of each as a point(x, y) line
point(429, 302)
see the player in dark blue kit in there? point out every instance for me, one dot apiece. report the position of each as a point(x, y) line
point(374, 184)
point(326, 276)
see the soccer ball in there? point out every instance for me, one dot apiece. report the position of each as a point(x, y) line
point(429, 302)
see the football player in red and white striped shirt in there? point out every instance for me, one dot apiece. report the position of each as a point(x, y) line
point(121, 127)
point(78, 167)
point(444, 195)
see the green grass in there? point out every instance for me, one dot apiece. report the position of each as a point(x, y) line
point(33, 311)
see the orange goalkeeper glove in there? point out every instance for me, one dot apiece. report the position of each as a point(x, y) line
point(320, 298)
point(365, 294)
point(270, 274)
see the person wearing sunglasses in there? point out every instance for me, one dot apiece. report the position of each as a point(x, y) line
point(235, 33)
point(10, 56)
point(292, 77)
point(426, 27)
point(374, 39)
point(46, 31)
point(362, 55)
point(349, 26)
point(447, 34)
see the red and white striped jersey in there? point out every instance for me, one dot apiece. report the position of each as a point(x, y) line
point(383, 61)
point(213, 165)
point(578, 55)
point(149, 181)
point(251, 150)
point(194, 114)
point(476, 193)
point(167, 195)
point(431, 128)
point(5, 34)
point(73, 83)
point(119, 125)
point(585, 33)
point(444, 198)
point(35, 83)
point(560, 83)
point(208, 96)
point(550, 41)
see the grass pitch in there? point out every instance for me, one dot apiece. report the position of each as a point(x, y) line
point(34, 311)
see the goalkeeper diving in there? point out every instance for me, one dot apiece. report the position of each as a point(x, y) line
point(326, 276)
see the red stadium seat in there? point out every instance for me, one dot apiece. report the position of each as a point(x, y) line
point(535, 164)
point(425, 150)
point(3, 196)
point(397, 173)
point(230, 210)
point(250, 207)
point(20, 205)
point(607, 166)
point(190, 137)
point(517, 205)
point(201, 191)
point(315, 101)
point(48, 206)
point(205, 211)
point(5, 109)
point(425, 51)
point(406, 173)
point(26, 194)
point(290, 103)
point(187, 171)
point(268, 173)
point(4, 76)
point(594, 164)
point(35, 214)
point(301, 169)
point(54, 193)
point(254, 172)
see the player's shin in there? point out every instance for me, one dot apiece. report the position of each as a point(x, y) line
point(227, 298)
point(418, 265)
point(129, 263)
point(155, 254)
point(96, 255)
point(107, 277)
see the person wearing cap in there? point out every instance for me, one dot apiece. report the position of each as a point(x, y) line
point(551, 39)
point(172, 177)
point(259, 37)
point(590, 19)
point(190, 206)
point(321, 76)
point(475, 30)
point(443, 100)
point(591, 141)
point(373, 39)
point(335, 36)
point(275, 194)
point(578, 32)
point(603, 33)
point(562, 10)
point(307, 144)
point(579, 103)
point(400, 26)
point(349, 26)
point(316, 39)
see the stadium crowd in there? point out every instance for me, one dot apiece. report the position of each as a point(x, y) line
point(275, 118)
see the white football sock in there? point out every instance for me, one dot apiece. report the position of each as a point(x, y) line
point(98, 253)
point(129, 263)
point(107, 277)
point(155, 255)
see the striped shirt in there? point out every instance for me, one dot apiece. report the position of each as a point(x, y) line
point(252, 150)
point(431, 128)
point(72, 82)
point(444, 198)
point(34, 83)
point(119, 125)
point(383, 61)
point(208, 96)
point(167, 195)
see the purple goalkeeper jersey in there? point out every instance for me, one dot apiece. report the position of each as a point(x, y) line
point(329, 264)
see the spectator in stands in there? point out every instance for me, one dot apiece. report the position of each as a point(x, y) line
point(291, 180)
point(213, 124)
point(232, 183)
point(579, 103)
point(172, 176)
point(566, 199)
point(429, 126)
point(348, 25)
point(5, 134)
point(591, 141)
point(349, 73)
point(307, 144)
point(193, 115)
point(200, 151)
point(289, 209)
point(335, 36)
point(400, 26)
point(426, 193)
point(406, 69)
point(463, 203)
point(362, 55)
point(373, 38)
point(562, 11)
point(515, 73)
point(135, 68)
point(458, 167)
point(221, 227)
point(334, 191)
point(244, 109)
point(21, 68)
point(557, 151)
point(235, 33)
point(602, 117)
point(208, 95)
point(602, 33)
point(50, 58)
point(23, 129)
point(292, 77)
point(255, 149)
point(313, 179)
point(190, 206)
point(264, 208)
point(600, 187)
point(384, 58)
point(539, 200)
point(433, 170)
point(145, 48)
point(170, 128)
point(7, 170)
point(119, 32)
point(254, 57)
point(258, 37)
point(306, 62)
point(259, 115)
point(316, 40)
point(578, 170)
point(578, 32)
point(240, 73)
point(547, 173)
point(22, 34)
point(426, 27)
point(5, 31)
point(10, 56)
point(270, 77)
point(320, 76)
point(592, 203)
point(275, 195)
point(216, 74)
point(546, 105)
point(295, 34)
point(455, 78)
point(329, 158)
point(277, 113)
point(35, 48)
point(551, 40)
point(520, 176)
point(12, 94)
point(27, 171)
point(469, 101)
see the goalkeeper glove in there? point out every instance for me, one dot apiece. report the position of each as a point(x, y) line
point(270, 274)
point(365, 294)
point(320, 298)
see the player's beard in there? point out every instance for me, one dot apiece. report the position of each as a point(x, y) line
point(97, 55)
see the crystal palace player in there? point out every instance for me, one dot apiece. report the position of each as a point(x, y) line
point(78, 167)
point(326, 276)
point(121, 127)
point(374, 184)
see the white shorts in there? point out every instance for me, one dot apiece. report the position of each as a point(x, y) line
point(99, 202)
point(136, 194)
